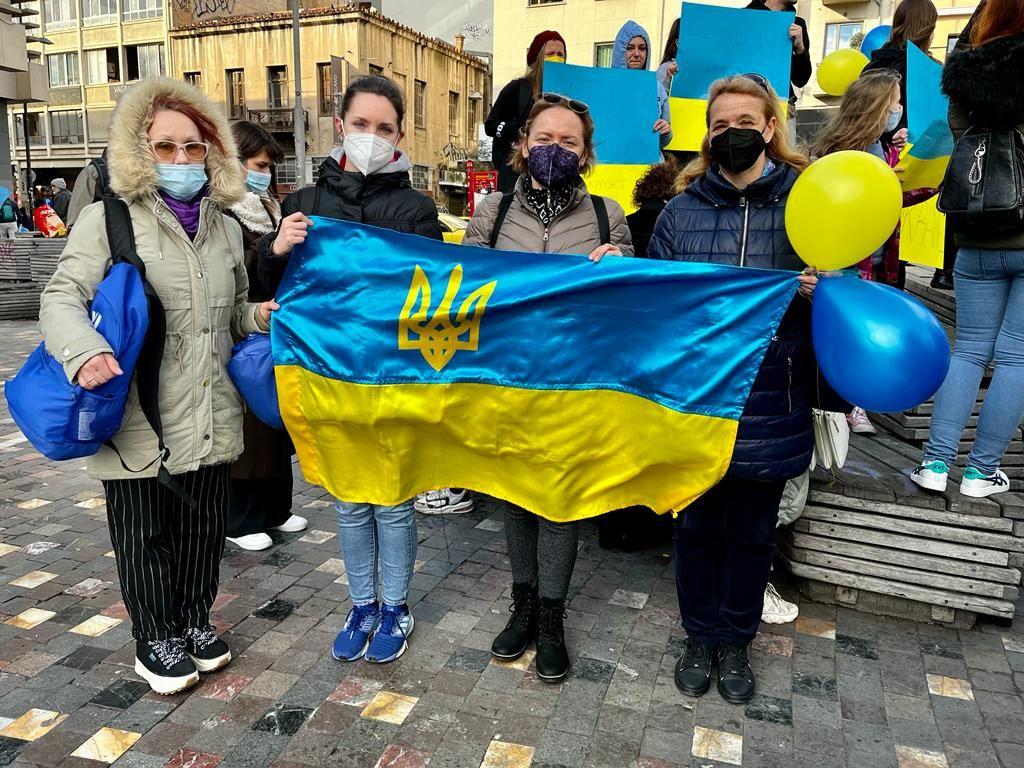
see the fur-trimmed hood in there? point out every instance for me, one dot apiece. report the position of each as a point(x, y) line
point(132, 166)
point(986, 80)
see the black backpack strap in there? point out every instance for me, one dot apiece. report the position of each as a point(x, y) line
point(601, 211)
point(507, 199)
point(121, 238)
point(103, 177)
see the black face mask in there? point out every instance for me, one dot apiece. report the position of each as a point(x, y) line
point(737, 149)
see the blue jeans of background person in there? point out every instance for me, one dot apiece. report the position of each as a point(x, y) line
point(989, 326)
point(369, 533)
point(723, 550)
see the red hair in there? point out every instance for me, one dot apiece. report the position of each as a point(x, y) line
point(207, 130)
point(999, 18)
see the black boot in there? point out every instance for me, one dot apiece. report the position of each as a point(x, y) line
point(735, 677)
point(693, 670)
point(942, 280)
point(521, 628)
point(552, 656)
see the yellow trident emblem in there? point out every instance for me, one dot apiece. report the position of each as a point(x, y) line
point(438, 338)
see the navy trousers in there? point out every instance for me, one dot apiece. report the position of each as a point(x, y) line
point(723, 548)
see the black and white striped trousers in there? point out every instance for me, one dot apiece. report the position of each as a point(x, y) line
point(168, 555)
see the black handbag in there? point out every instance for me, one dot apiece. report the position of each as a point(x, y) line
point(983, 190)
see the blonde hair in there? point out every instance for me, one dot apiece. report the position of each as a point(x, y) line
point(862, 113)
point(778, 150)
point(518, 163)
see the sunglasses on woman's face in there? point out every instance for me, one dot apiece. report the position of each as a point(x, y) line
point(577, 106)
point(167, 151)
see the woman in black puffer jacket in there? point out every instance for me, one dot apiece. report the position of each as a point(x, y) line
point(732, 211)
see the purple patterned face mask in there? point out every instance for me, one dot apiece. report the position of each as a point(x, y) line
point(552, 165)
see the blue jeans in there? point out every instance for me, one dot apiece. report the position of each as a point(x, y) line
point(989, 326)
point(368, 533)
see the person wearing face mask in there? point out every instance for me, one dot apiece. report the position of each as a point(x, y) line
point(550, 211)
point(510, 110)
point(366, 179)
point(731, 210)
point(261, 478)
point(173, 161)
point(631, 50)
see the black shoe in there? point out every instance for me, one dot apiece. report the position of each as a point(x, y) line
point(942, 280)
point(693, 670)
point(164, 665)
point(552, 656)
point(208, 651)
point(735, 677)
point(521, 628)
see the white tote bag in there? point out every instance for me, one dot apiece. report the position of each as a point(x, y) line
point(831, 439)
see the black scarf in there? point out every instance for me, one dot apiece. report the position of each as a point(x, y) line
point(548, 204)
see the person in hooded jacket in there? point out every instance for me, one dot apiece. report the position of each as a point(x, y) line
point(261, 478)
point(732, 211)
point(632, 50)
point(173, 162)
point(364, 180)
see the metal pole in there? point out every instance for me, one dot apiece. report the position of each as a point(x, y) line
point(300, 117)
point(28, 162)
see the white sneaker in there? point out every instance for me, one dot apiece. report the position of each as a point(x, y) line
point(931, 475)
point(254, 542)
point(446, 501)
point(859, 422)
point(777, 610)
point(979, 485)
point(293, 524)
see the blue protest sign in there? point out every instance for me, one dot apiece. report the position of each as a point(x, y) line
point(715, 42)
point(926, 103)
point(623, 103)
point(4, 193)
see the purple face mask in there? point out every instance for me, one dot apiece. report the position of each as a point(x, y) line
point(552, 165)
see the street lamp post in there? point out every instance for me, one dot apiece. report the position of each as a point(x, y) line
point(300, 117)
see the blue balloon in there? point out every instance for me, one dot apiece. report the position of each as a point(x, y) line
point(875, 39)
point(878, 348)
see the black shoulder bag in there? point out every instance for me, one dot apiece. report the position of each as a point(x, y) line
point(983, 190)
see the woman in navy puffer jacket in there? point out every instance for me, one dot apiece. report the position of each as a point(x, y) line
point(732, 211)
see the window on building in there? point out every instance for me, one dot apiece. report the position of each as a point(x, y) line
point(66, 127)
point(544, 2)
point(453, 113)
point(324, 89)
point(102, 66)
point(60, 14)
point(63, 69)
point(277, 87)
point(96, 12)
point(236, 94)
point(420, 177)
point(375, 70)
point(474, 117)
point(35, 129)
point(195, 79)
point(420, 104)
point(133, 10)
point(603, 54)
point(285, 171)
point(838, 35)
point(143, 61)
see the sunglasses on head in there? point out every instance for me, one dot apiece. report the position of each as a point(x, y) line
point(759, 80)
point(577, 106)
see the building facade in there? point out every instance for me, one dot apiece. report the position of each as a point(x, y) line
point(22, 75)
point(246, 64)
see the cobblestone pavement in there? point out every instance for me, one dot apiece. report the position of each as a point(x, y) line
point(838, 688)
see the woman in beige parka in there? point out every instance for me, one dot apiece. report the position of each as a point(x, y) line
point(173, 161)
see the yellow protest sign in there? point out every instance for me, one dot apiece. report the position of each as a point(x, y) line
point(923, 234)
point(915, 172)
point(616, 182)
point(688, 123)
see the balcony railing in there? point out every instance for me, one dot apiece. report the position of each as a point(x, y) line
point(276, 120)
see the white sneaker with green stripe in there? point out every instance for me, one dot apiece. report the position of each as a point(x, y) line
point(979, 485)
point(931, 475)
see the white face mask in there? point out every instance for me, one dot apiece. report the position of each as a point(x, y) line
point(367, 151)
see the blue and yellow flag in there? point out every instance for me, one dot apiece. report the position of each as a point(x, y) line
point(566, 387)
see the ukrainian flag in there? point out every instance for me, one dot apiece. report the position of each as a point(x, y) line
point(569, 388)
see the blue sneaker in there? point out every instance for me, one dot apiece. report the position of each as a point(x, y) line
point(354, 638)
point(389, 638)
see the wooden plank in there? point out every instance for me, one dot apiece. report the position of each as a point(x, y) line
point(926, 578)
point(955, 600)
point(908, 543)
point(916, 528)
point(968, 570)
point(921, 513)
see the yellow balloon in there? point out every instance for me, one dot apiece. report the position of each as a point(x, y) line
point(839, 69)
point(842, 209)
